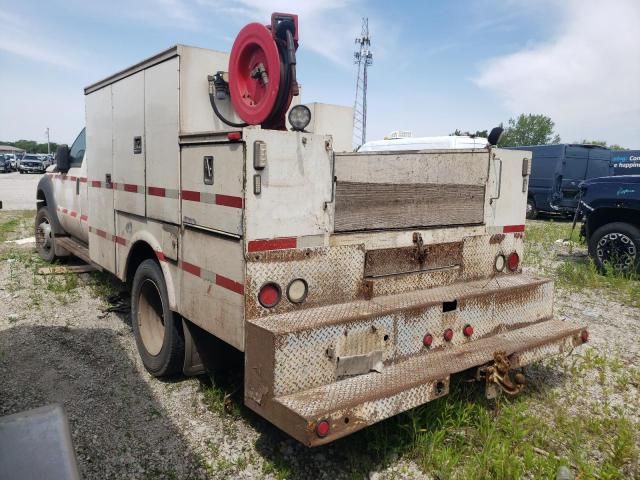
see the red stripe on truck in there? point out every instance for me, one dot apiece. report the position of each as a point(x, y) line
point(228, 201)
point(273, 244)
point(512, 228)
point(190, 195)
point(229, 284)
point(157, 191)
point(191, 268)
point(129, 187)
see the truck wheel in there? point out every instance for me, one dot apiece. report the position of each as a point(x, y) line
point(616, 245)
point(45, 239)
point(532, 211)
point(158, 331)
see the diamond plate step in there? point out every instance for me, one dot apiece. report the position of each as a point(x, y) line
point(356, 402)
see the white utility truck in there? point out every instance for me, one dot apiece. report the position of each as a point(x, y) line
point(355, 284)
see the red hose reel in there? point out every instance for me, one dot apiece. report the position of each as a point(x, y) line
point(262, 76)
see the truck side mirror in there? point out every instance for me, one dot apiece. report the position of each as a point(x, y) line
point(62, 158)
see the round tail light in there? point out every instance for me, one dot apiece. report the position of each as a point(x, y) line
point(269, 295)
point(467, 330)
point(513, 261)
point(297, 290)
point(427, 340)
point(322, 428)
point(500, 263)
point(448, 334)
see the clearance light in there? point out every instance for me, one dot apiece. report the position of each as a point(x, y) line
point(448, 334)
point(500, 263)
point(234, 136)
point(513, 261)
point(269, 295)
point(322, 428)
point(427, 340)
point(297, 291)
point(467, 330)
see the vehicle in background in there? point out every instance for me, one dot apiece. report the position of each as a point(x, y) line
point(445, 142)
point(611, 210)
point(11, 158)
point(31, 164)
point(556, 174)
point(5, 164)
point(625, 162)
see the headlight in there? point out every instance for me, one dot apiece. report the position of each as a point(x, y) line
point(299, 117)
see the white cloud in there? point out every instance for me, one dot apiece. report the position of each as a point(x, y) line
point(587, 79)
point(327, 27)
point(22, 38)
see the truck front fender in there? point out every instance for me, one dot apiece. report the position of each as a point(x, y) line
point(45, 197)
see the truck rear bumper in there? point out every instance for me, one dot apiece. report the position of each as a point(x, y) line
point(294, 377)
point(354, 403)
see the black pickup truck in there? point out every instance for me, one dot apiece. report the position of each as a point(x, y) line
point(611, 210)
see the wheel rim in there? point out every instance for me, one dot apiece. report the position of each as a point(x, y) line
point(617, 250)
point(150, 317)
point(44, 239)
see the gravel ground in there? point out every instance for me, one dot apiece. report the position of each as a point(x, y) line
point(18, 191)
point(57, 345)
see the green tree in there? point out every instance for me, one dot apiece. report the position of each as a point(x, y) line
point(479, 133)
point(602, 143)
point(31, 146)
point(529, 129)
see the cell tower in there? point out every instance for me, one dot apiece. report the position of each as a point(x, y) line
point(363, 58)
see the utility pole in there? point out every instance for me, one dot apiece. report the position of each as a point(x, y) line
point(363, 58)
point(48, 146)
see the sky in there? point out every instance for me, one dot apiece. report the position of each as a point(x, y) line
point(437, 65)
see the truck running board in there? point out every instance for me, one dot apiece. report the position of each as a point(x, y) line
point(351, 404)
point(77, 249)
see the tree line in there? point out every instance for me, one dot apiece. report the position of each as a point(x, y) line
point(31, 146)
point(531, 129)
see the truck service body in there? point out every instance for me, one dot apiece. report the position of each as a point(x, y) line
point(356, 284)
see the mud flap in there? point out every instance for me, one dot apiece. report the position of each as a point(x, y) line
point(193, 364)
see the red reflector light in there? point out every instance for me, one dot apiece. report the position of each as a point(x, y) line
point(467, 330)
point(269, 295)
point(322, 428)
point(234, 136)
point(584, 336)
point(427, 340)
point(448, 334)
point(513, 260)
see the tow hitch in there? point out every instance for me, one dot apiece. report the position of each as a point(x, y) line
point(497, 377)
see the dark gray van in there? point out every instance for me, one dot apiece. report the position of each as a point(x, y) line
point(556, 173)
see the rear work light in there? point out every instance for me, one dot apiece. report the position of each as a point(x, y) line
point(269, 295)
point(322, 428)
point(513, 260)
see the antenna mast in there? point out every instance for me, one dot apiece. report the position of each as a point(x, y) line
point(363, 58)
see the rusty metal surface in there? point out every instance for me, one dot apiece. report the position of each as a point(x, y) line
point(551, 336)
point(308, 343)
point(333, 275)
point(389, 261)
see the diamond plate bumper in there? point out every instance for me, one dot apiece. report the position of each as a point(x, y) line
point(292, 371)
point(357, 402)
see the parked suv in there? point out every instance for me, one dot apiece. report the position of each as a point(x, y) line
point(31, 164)
point(611, 209)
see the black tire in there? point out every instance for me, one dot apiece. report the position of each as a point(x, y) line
point(616, 244)
point(45, 238)
point(532, 211)
point(151, 318)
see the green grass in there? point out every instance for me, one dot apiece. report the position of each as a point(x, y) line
point(15, 224)
point(574, 271)
point(465, 436)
